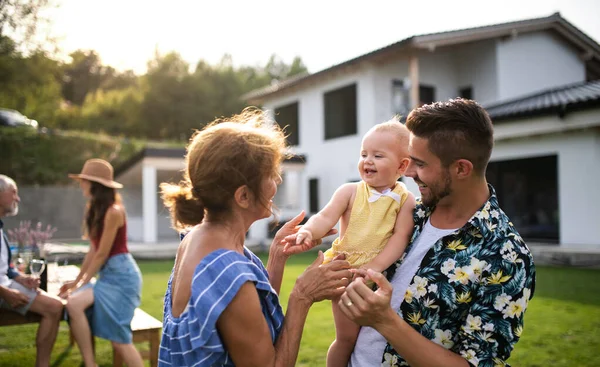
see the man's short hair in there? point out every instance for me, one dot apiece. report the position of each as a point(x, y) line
point(456, 129)
point(6, 183)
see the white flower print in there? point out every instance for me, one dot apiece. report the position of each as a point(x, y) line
point(501, 301)
point(527, 294)
point(488, 327)
point(511, 257)
point(495, 214)
point(459, 275)
point(469, 355)
point(444, 338)
point(473, 324)
point(448, 266)
point(514, 309)
point(420, 287)
point(389, 360)
point(476, 268)
point(507, 246)
point(420, 213)
point(432, 288)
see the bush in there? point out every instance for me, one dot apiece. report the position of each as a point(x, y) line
point(35, 158)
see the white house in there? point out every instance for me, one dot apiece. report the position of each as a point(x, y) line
point(536, 78)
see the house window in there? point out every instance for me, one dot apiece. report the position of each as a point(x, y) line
point(313, 193)
point(466, 92)
point(340, 112)
point(400, 99)
point(426, 94)
point(527, 191)
point(287, 117)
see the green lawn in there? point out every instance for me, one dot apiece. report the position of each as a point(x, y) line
point(562, 325)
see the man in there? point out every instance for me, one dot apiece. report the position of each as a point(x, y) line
point(458, 295)
point(19, 292)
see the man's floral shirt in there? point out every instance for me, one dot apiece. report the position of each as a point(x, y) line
point(472, 288)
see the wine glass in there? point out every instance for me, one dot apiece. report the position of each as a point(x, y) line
point(36, 266)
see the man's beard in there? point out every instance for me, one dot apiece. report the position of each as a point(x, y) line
point(11, 212)
point(438, 191)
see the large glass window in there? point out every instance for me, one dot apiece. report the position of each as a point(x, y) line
point(527, 191)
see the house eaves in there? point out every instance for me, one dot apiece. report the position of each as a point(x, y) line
point(589, 50)
point(555, 101)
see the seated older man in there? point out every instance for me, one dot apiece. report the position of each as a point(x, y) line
point(20, 293)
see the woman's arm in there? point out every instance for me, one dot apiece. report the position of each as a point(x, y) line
point(112, 221)
point(397, 243)
point(253, 347)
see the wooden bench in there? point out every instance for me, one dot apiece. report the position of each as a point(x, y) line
point(145, 328)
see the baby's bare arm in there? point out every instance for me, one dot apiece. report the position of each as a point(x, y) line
point(319, 224)
point(397, 243)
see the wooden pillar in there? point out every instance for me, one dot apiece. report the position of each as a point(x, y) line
point(413, 74)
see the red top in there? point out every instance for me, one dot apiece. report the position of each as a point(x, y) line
point(119, 245)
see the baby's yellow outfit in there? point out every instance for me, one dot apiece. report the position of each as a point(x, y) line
point(371, 225)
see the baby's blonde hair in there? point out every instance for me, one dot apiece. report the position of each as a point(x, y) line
point(394, 126)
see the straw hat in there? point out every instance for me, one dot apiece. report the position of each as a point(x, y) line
point(98, 170)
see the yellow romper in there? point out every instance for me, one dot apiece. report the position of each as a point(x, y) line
point(371, 224)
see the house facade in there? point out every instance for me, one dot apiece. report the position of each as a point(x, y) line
point(536, 78)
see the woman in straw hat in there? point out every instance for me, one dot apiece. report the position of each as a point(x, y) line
point(116, 293)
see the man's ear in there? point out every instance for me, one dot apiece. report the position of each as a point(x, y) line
point(463, 168)
point(243, 197)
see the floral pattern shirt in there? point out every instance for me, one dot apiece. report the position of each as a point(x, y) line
point(471, 290)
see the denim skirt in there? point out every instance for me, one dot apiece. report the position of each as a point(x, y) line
point(117, 293)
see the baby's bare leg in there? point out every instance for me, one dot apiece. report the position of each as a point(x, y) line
point(346, 332)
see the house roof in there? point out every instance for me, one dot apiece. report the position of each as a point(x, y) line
point(559, 100)
point(590, 49)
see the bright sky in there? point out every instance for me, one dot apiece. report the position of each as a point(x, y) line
point(126, 33)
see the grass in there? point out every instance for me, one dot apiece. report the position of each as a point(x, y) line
point(562, 325)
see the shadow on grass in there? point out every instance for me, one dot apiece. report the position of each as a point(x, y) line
point(62, 356)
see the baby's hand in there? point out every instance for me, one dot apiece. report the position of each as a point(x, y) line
point(299, 242)
point(303, 237)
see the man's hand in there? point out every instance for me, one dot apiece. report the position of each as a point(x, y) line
point(15, 298)
point(28, 281)
point(365, 307)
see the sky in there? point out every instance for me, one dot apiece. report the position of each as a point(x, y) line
point(127, 33)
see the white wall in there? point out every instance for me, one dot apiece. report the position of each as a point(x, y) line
point(536, 61)
point(578, 155)
point(438, 69)
point(384, 75)
point(476, 67)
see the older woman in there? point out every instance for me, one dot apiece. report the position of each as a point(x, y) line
point(221, 305)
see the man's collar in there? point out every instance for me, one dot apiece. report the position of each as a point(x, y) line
point(478, 222)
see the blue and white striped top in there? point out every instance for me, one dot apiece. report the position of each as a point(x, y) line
point(192, 338)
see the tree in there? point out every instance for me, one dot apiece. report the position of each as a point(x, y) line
point(20, 20)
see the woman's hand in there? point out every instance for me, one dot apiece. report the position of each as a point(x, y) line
point(322, 281)
point(66, 287)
